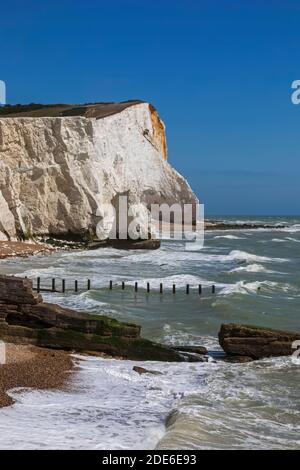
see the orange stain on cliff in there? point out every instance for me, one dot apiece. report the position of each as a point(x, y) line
point(159, 133)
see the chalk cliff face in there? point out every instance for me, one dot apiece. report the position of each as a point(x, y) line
point(55, 172)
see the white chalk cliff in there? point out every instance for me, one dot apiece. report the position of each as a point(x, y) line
point(55, 172)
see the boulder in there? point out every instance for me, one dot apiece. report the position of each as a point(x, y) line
point(141, 370)
point(128, 244)
point(17, 290)
point(192, 349)
point(256, 342)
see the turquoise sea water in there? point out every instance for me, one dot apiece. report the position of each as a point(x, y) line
point(212, 405)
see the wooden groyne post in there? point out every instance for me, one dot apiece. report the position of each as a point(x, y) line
point(54, 281)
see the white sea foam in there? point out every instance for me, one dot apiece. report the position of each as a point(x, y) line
point(44, 272)
point(80, 301)
point(243, 255)
point(98, 253)
point(176, 336)
point(176, 258)
point(242, 287)
point(249, 406)
point(292, 229)
point(180, 280)
point(229, 237)
point(109, 407)
point(162, 257)
point(285, 240)
point(252, 268)
point(293, 239)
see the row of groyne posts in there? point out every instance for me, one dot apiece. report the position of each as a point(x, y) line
point(88, 286)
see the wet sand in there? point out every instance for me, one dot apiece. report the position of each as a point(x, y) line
point(30, 366)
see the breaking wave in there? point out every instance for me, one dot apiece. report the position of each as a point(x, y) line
point(229, 237)
point(242, 287)
point(252, 268)
point(244, 256)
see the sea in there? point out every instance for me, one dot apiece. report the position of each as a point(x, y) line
point(191, 405)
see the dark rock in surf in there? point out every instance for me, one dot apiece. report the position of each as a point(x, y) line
point(191, 349)
point(141, 370)
point(238, 359)
point(151, 244)
point(191, 357)
point(256, 342)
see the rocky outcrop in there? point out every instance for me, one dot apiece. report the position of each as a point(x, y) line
point(237, 359)
point(256, 342)
point(142, 370)
point(26, 319)
point(151, 244)
point(16, 290)
point(60, 164)
point(192, 349)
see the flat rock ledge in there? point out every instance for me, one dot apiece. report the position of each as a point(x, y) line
point(256, 342)
point(26, 319)
point(151, 244)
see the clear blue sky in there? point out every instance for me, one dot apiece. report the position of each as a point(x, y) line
point(219, 73)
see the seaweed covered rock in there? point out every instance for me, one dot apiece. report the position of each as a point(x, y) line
point(49, 325)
